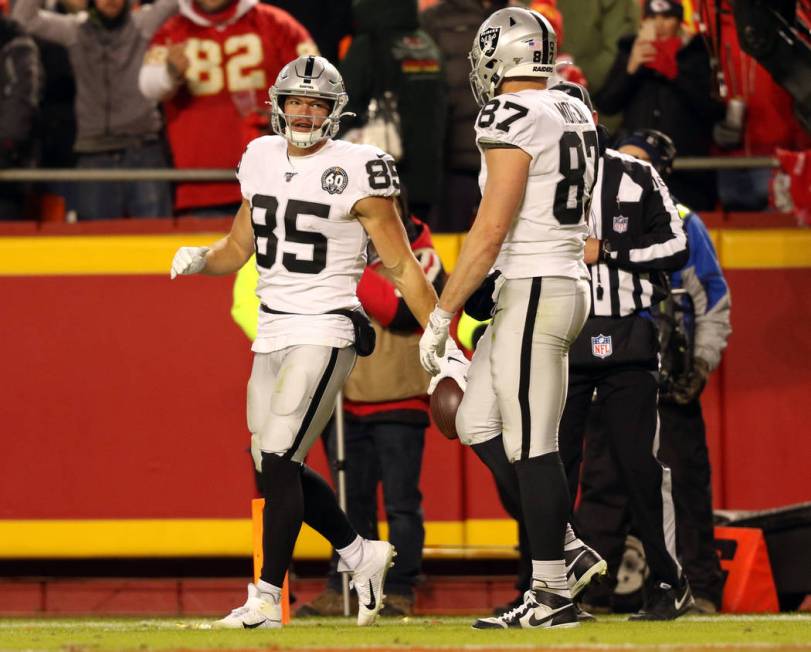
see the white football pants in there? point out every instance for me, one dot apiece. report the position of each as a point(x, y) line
point(519, 375)
point(291, 396)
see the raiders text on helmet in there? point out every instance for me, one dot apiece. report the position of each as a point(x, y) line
point(513, 42)
point(307, 76)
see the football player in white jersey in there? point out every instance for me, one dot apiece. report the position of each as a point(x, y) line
point(539, 162)
point(309, 203)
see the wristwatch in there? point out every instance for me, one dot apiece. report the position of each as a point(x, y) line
point(605, 250)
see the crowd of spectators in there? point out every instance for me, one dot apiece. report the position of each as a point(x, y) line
point(114, 84)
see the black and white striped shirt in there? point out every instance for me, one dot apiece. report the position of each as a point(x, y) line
point(633, 213)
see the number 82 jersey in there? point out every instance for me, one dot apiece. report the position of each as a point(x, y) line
point(310, 248)
point(556, 130)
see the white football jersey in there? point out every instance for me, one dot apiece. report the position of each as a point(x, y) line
point(548, 234)
point(310, 250)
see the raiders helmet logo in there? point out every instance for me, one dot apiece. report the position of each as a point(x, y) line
point(488, 40)
point(334, 180)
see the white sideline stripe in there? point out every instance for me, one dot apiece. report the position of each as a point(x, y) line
point(198, 623)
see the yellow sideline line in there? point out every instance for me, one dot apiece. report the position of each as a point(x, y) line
point(152, 254)
point(94, 254)
point(21, 539)
point(765, 248)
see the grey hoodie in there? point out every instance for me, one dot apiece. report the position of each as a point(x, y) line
point(111, 112)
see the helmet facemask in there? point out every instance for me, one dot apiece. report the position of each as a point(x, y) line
point(281, 121)
point(307, 77)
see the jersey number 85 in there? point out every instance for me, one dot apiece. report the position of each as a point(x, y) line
point(266, 241)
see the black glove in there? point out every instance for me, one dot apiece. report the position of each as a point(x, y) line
point(689, 389)
point(480, 304)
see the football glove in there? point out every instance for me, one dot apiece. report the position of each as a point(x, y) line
point(188, 260)
point(454, 365)
point(432, 342)
point(690, 389)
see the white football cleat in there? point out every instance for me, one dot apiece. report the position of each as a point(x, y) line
point(369, 577)
point(539, 609)
point(260, 611)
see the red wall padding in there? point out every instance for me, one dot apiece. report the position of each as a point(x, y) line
point(123, 397)
point(766, 390)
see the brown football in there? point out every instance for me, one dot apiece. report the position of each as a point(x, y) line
point(444, 403)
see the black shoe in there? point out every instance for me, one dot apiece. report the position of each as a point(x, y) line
point(539, 609)
point(583, 616)
point(398, 606)
point(504, 608)
point(666, 603)
point(582, 566)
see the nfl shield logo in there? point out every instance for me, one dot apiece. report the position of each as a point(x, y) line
point(620, 223)
point(601, 346)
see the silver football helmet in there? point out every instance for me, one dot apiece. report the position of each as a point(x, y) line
point(512, 42)
point(307, 76)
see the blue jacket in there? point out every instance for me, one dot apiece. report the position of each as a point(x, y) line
point(707, 313)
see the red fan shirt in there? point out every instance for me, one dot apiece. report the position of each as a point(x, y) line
point(235, 57)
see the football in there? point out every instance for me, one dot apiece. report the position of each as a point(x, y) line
point(444, 403)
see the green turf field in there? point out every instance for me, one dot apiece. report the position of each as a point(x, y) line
point(781, 632)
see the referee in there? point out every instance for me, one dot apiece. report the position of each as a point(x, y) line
point(694, 328)
point(636, 238)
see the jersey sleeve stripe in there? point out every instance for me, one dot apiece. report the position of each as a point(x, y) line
point(674, 245)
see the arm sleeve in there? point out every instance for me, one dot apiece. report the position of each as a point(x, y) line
point(242, 171)
point(374, 174)
point(377, 295)
point(22, 90)
point(709, 292)
point(46, 24)
point(664, 245)
point(154, 80)
point(506, 122)
point(150, 17)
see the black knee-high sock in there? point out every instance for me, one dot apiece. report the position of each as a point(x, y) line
point(282, 516)
point(544, 503)
point(492, 453)
point(321, 510)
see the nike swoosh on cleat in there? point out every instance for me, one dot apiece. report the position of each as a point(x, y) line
point(681, 603)
point(373, 603)
point(255, 625)
point(570, 570)
point(535, 622)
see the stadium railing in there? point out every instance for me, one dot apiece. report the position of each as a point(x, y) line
point(213, 174)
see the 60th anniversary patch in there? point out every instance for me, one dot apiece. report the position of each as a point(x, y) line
point(334, 180)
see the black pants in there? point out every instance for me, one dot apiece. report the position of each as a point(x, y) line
point(387, 454)
point(602, 515)
point(628, 399)
point(684, 450)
